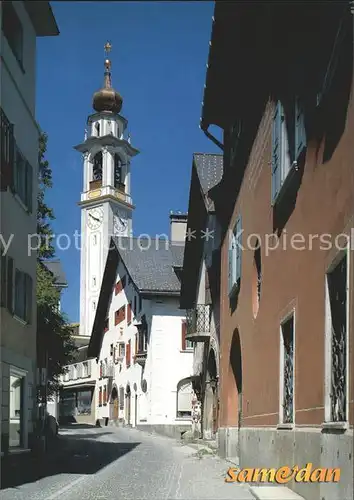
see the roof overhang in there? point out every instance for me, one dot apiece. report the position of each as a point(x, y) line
point(197, 217)
point(106, 140)
point(42, 18)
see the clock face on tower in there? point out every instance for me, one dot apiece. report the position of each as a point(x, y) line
point(120, 222)
point(95, 218)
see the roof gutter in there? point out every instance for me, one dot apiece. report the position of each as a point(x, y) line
point(211, 137)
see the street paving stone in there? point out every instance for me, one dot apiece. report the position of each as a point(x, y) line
point(126, 464)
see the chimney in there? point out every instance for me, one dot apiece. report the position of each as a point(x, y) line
point(178, 223)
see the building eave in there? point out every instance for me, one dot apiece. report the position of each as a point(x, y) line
point(197, 213)
point(106, 140)
point(42, 18)
point(159, 293)
point(108, 280)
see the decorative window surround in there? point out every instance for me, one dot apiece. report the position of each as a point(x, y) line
point(330, 423)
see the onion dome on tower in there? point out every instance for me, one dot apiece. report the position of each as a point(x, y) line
point(107, 99)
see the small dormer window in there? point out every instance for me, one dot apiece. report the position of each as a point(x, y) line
point(97, 167)
point(97, 126)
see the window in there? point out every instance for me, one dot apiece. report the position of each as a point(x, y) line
point(84, 402)
point(128, 354)
point(119, 315)
point(337, 294)
point(235, 256)
point(12, 29)
point(97, 166)
point(129, 313)
point(119, 352)
point(100, 396)
point(7, 278)
point(120, 285)
point(186, 344)
point(7, 145)
point(142, 336)
point(287, 372)
point(118, 173)
point(184, 400)
point(97, 127)
point(16, 410)
point(104, 394)
point(121, 398)
point(85, 371)
point(111, 350)
point(23, 180)
point(23, 296)
point(140, 303)
point(288, 142)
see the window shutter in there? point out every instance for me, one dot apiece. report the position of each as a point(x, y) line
point(29, 186)
point(29, 289)
point(238, 249)
point(129, 313)
point(184, 332)
point(230, 256)
point(10, 283)
point(3, 271)
point(276, 150)
point(300, 131)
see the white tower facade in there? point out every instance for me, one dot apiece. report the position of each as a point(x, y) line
point(106, 202)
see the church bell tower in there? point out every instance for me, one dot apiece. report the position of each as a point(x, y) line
point(106, 202)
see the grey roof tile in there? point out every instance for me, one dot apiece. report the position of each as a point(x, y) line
point(150, 263)
point(209, 168)
point(54, 266)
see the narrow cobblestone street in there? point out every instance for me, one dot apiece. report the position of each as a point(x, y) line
point(126, 464)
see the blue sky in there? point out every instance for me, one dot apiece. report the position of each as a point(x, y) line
point(159, 60)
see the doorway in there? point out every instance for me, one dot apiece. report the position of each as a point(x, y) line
point(114, 405)
point(136, 411)
point(128, 406)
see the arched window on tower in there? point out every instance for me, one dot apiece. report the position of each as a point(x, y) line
point(118, 180)
point(97, 168)
point(97, 126)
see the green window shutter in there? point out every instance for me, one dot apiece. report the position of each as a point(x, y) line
point(10, 284)
point(3, 272)
point(277, 150)
point(238, 248)
point(230, 257)
point(29, 296)
point(29, 186)
point(300, 131)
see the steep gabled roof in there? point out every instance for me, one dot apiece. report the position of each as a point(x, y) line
point(151, 265)
point(209, 168)
point(54, 267)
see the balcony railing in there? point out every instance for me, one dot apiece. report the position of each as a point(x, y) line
point(108, 370)
point(140, 358)
point(198, 323)
point(76, 371)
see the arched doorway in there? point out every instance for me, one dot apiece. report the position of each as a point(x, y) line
point(211, 398)
point(114, 405)
point(236, 367)
point(127, 405)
